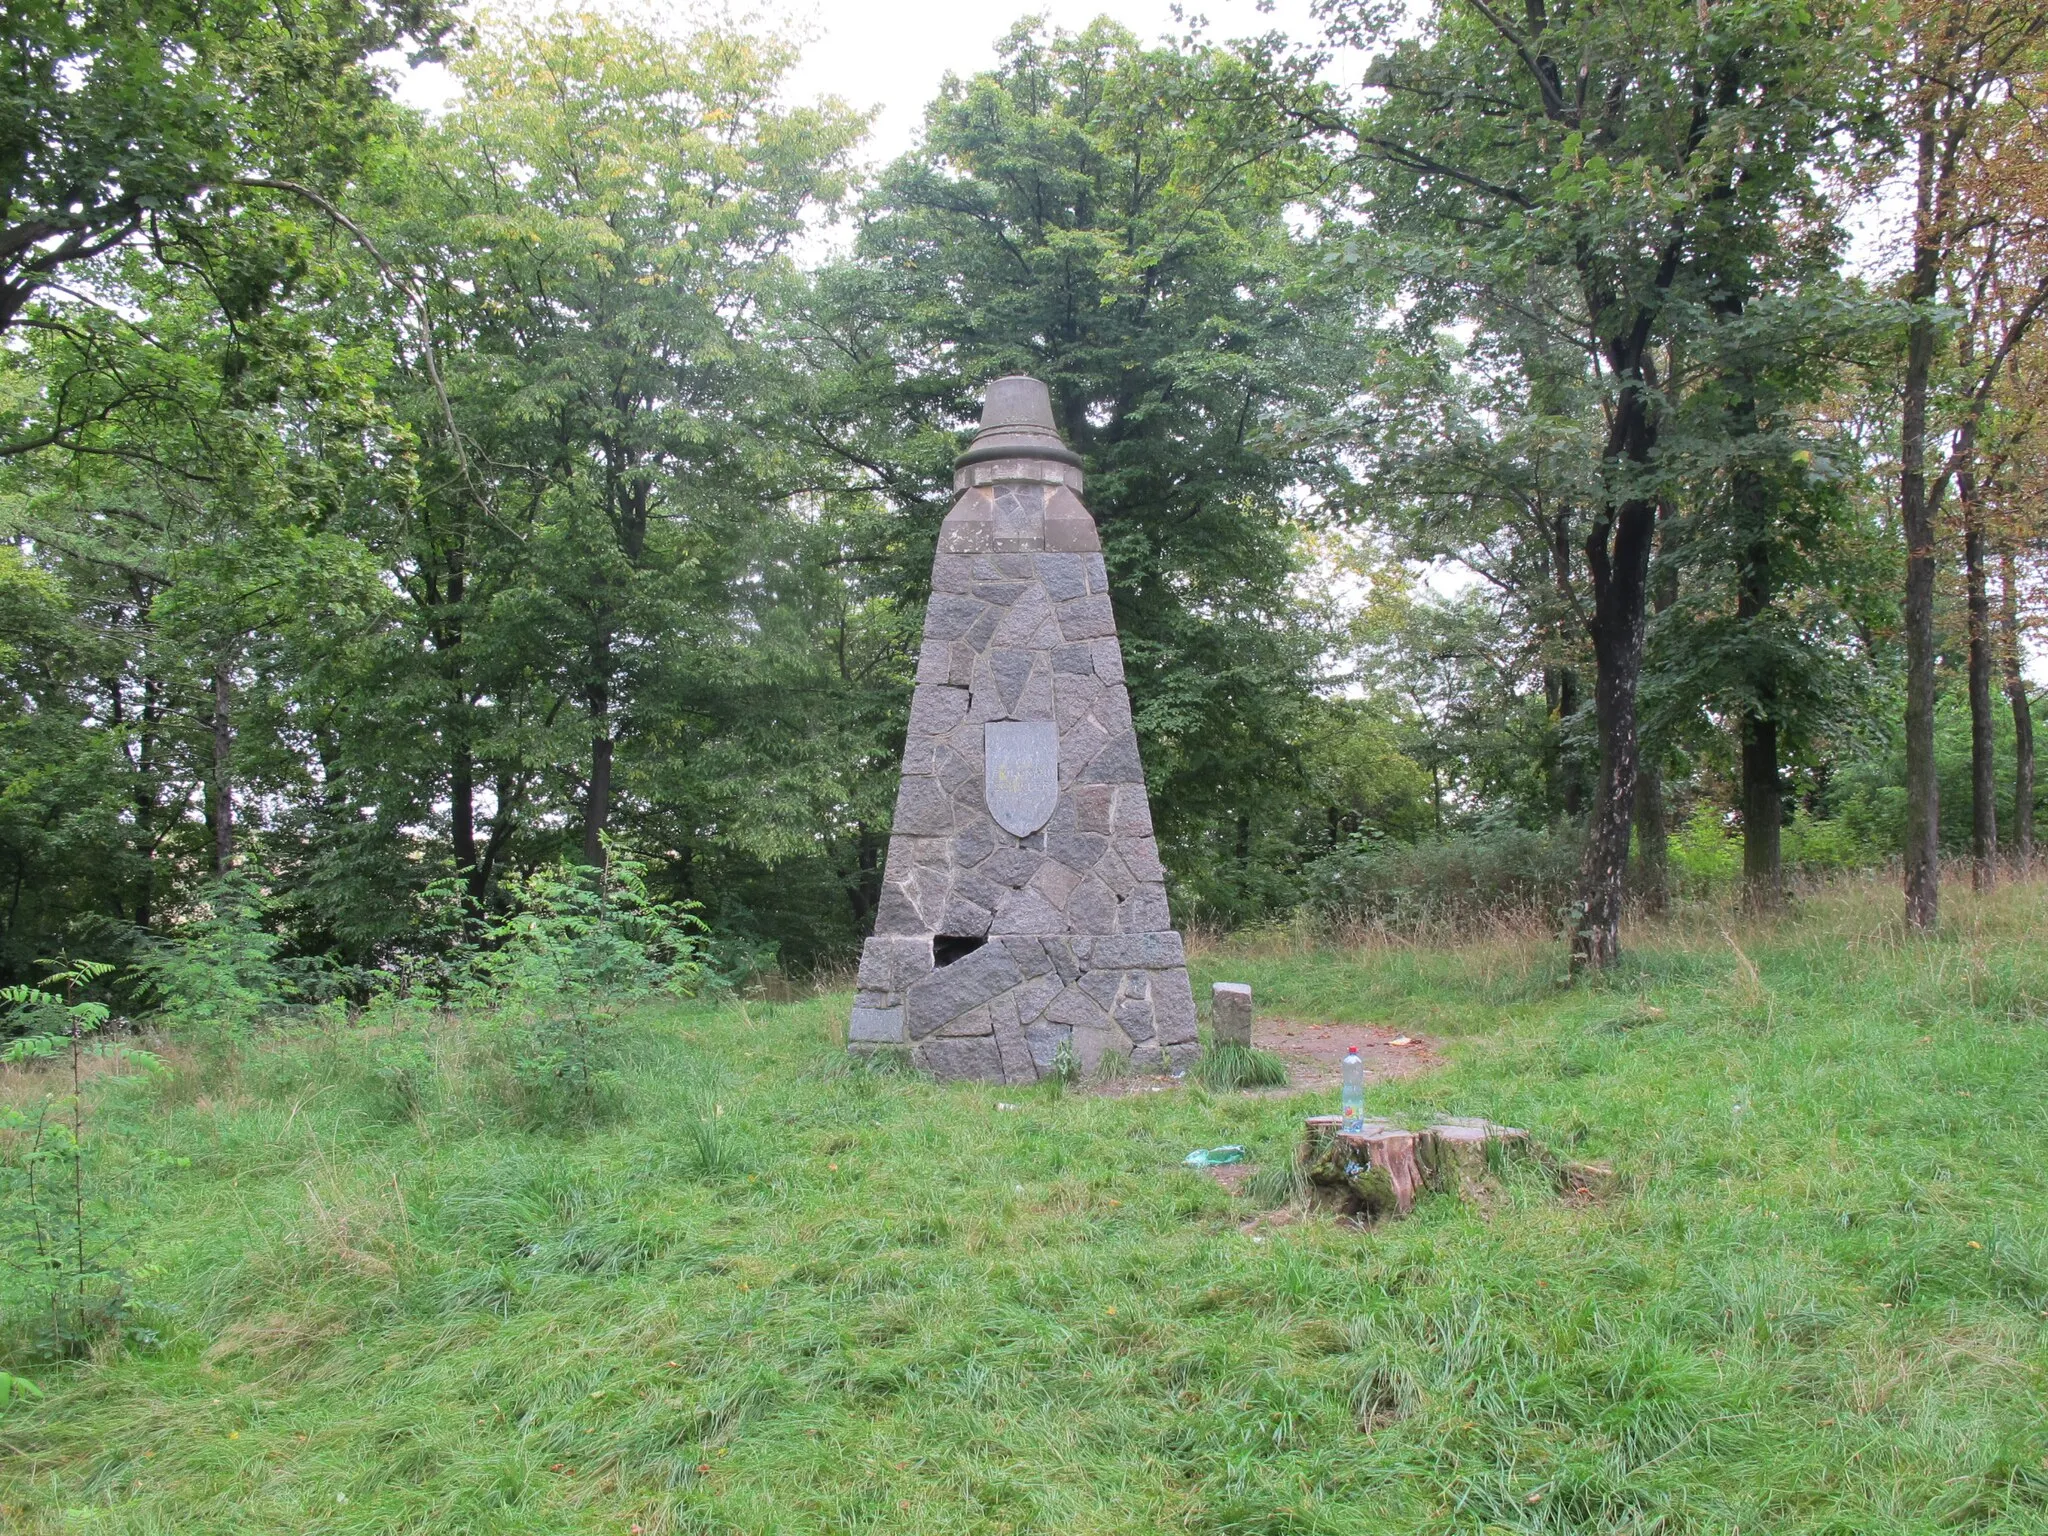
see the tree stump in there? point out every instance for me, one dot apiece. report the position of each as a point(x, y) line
point(1459, 1153)
point(1376, 1171)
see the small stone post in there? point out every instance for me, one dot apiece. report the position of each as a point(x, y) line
point(1023, 903)
point(1230, 1013)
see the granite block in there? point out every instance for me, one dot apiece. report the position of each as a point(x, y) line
point(1230, 1013)
point(876, 1026)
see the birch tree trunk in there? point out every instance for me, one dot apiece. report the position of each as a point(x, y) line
point(1983, 738)
point(2022, 716)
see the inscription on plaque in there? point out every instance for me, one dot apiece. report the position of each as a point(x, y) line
point(1021, 773)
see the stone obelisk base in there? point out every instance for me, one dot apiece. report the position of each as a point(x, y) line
point(1004, 1010)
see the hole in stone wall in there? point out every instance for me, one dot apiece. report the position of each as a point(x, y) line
point(948, 947)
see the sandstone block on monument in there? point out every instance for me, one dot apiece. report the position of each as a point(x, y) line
point(1023, 903)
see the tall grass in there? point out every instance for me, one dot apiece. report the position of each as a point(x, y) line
point(854, 1300)
point(1229, 1065)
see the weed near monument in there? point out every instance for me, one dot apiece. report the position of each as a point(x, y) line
point(1230, 1065)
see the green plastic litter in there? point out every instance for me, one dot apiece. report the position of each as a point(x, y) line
point(1214, 1157)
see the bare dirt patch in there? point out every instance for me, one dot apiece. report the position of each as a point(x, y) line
point(1232, 1176)
point(1315, 1052)
point(1127, 1086)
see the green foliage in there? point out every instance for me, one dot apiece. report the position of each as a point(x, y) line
point(15, 1389)
point(506, 482)
point(1832, 846)
point(581, 561)
point(64, 1292)
point(220, 973)
point(1066, 1065)
point(1495, 871)
point(571, 930)
point(576, 948)
point(50, 1022)
point(1621, 308)
point(129, 119)
point(1706, 851)
point(1706, 848)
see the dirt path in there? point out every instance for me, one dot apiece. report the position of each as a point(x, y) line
point(1315, 1052)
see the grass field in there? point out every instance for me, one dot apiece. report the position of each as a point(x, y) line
point(780, 1295)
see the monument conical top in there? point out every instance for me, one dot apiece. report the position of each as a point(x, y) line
point(1016, 423)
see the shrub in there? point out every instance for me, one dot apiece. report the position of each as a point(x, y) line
point(65, 1291)
point(1706, 850)
point(1828, 847)
point(1487, 873)
point(222, 970)
point(577, 947)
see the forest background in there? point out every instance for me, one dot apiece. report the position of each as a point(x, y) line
point(1516, 500)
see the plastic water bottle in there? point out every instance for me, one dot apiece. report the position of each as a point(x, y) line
point(1354, 1090)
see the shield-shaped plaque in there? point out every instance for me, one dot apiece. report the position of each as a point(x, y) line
point(1021, 773)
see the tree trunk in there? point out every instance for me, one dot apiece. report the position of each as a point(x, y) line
point(1653, 827)
point(223, 768)
point(1377, 1171)
point(1618, 588)
point(628, 496)
point(1561, 681)
point(1653, 839)
point(462, 815)
point(2022, 717)
point(864, 890)
point(145, 804)
point(1618, 562)
point(1763, 795)
point(1923, 793)
point(1983, 739)
point(1763, 812)
point(1617, 551)
point(504, 822)
point(1567, 782)
point(451, 628)
point(597, 804)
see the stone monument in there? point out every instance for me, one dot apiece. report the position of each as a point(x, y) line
point(1023, 907)
point(1230, 1013)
